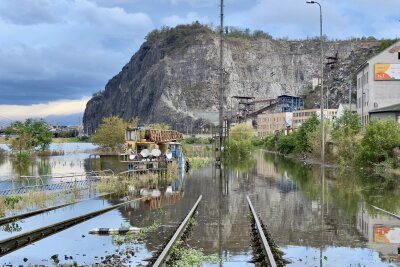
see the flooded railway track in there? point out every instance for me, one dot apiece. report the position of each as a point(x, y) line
point(13, 218)
point(266, 253)
point(165, 254)
point(13, 243)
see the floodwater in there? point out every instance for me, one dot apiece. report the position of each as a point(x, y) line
point(318, 217)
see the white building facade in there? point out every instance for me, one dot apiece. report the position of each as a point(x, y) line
point(378, 82)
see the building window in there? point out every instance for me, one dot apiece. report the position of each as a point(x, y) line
point(398, 55)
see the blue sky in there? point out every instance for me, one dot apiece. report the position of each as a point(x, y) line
point(61, 51)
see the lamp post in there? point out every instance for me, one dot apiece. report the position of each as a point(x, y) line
point(322, 84)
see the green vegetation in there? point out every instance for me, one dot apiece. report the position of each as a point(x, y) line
point(379, 141)
point(159, 126)
point(26, 137)
point(118, 239)
point(196, 140)
point(300, 141)
point(33, 200)
point(178, 37)
point(345, 134)
point(386, 43)
point(182, 36)
point(188, 257)
point(348, 190)
point(241, 138)
point(30, 134)
point(236, 32)
point(110, 134)
point(377, 145)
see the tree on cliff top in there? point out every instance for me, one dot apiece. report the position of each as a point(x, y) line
point(111, 133)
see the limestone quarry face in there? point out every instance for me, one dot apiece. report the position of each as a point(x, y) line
point(176, 82)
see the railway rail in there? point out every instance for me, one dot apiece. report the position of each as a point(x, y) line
point(164, 255)
point(9, 219)
point(16, 242)
point(269, 257)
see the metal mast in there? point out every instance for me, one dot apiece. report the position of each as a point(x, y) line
point(221, 81)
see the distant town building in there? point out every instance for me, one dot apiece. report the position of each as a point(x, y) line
point(378, 84)
point(301, 116)
point(270, 123)
point(288, 103)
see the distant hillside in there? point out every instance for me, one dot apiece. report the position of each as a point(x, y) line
point(173, 78)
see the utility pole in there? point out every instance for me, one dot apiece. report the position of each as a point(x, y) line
point(322, 83)
point(221, 81)
point(350, 96)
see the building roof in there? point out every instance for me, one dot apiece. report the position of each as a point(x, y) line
point(289, 96)
point(243, 97)
point(365, 63)
point(395, 107)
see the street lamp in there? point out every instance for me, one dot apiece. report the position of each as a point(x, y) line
point(322, 84)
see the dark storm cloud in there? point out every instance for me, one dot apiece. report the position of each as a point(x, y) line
point(69, 49)
point(44, 59)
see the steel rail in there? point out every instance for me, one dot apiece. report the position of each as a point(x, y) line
point(39, 211)
point(16, 242)
point(264, 243)
point(163, 257)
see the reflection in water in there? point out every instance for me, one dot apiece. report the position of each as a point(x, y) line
point(381, 231)
point(75, 160)
point(310, 211)
point(11, 227)
point(319, 217)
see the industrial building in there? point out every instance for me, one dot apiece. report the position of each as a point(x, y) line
point(378, 85)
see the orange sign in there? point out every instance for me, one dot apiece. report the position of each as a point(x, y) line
point(387, 72)
point(386, 234)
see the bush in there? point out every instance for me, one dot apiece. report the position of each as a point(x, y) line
point(380, 139)
point(111, 133)
point(269, 142)
point(288, 144)
point(240, 140)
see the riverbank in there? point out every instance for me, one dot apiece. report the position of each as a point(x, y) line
point(53, 140)
point(384, 171)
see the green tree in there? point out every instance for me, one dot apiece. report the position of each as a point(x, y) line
point(345, 136)
point(111, 133)
point(380, 138)
point(347, 125)
point(29, 135)
point(304, 132)
point(241, 132)
point(287, 144)
point(240, 141)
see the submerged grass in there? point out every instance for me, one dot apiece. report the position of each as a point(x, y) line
point(118, 239)
point(188, 257)
point(36, 200)
point(198, 162)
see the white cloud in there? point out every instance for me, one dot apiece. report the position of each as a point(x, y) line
point(54, 108)
point(341, 18)
point(189, 18)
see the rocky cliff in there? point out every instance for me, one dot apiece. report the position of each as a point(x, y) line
point(173, 78)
